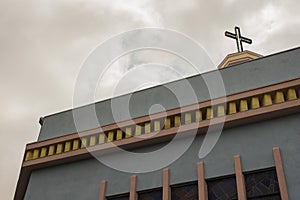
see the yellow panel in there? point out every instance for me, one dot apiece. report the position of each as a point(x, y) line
point(110, 136)
point(177, 120)
point(232, 108)
point(221, 110)
point(157, 125)
point(59, 148)
point(75, 144)
point(267, 100)
point(101, 138)
point(291, 94)
point(36, 153)
point(147, 127)
point(279, 97)
point(255, 103)
point(67, 146)
point(51, 150)
point(119, 134)
point(243, 105)
point(187, 118)
point(29, 155)
point(83, 142)
point(93, 140)
point(128, 132)
point(43, 152)
point(209, 113)
point(138, 130)
point(167, 122)
point(198, 115)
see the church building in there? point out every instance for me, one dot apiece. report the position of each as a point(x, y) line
point(244, 145)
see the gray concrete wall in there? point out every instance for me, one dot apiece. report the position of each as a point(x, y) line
point(254, 142)
point(261, 72)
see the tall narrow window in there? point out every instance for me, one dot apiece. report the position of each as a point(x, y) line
point(119, 197)
point(185, 192)
point(222, 188)
point(155, 194)
point(262, 185)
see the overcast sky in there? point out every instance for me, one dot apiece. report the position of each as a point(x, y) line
point(44, 43)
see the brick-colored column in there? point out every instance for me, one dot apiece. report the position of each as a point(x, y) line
point(133, 194)
point(240, 181)
point(202, 187)
point(102, 191)
point(166, 184)
point(280, 174)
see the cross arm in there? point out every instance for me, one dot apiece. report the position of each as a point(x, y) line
point(231, 35)
point(246, 40)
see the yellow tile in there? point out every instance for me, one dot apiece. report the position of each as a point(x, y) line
point(128, 132)
point(267, 100)
point(232, 108)
point(93, 140)
point(198, 115)
point(221, 110)
point(29, 155)
point(76, 144)
point(291, 94)
point(167, 123)
point(255, 103)
point(209, 113)
point(177, 120)
point(187, 118)
point(67, 146)
point(83, 142)
point(157, 125)
point(110, 136)
point(36, 153)
point(243, 105)
point(279, 97)
point(138, 130)
point(51, 150)
point(147, 127)
point(43, 152)
point(119, 134)
point(101, 138)
point(59, 148)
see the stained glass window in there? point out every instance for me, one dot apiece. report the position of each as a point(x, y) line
point(151, 195)
point(222, 189)
point(262, 185)
point(121, 197)
point(185, 192)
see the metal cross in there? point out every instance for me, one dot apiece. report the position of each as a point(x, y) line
point(239, 38)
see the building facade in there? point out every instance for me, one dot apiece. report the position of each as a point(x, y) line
point(255, 156)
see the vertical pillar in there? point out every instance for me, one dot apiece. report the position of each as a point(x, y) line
point(202, 187)
point(133, 194)
point(166, 184)
point(240, 181)
point(280, 174)
point(102, 191)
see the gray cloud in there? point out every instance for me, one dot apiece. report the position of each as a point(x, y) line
point(43, 44)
